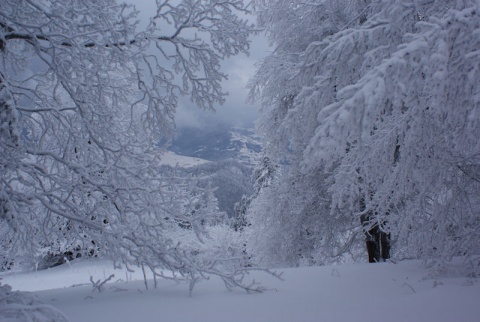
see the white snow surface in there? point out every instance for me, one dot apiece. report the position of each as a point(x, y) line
point(350, 292)
point(172, 159)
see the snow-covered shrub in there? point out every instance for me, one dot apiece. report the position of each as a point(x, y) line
point(18, 306)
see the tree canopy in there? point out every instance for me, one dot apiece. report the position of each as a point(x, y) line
point(86, 101)
point(379, 101)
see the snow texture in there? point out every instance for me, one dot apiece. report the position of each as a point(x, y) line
point(358, 292)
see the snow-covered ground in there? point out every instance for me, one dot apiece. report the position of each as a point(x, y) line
point(354, 292)
point(172, 159)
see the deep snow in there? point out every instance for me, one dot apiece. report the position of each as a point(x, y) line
point(353, 292)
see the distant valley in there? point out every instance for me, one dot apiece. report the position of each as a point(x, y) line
point(240, 144)
point(222, 157)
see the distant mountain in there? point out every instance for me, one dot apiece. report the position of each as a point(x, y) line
point(240, 144)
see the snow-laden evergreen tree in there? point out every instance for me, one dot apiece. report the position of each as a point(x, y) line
point(230, 178)
point(85, 99)
point(384, 103)
point(262, 177)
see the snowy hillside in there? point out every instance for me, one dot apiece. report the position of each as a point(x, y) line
point(172, 159)
point(358, 292)
point(249, 145)
point(236, 143)
point(233, 152)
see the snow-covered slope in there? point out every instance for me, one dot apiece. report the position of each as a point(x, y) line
point(249, 145)
point(241, 144)
point(358, 292)
point(172, 159)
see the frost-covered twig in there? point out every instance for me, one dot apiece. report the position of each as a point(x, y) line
point(98, 285)
point(409, 286)
point(237, 279)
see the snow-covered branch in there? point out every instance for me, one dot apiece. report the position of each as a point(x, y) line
point(85, 99)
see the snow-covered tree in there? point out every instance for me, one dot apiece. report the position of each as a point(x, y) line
point(384, 102)
point(85, 97)
point(289, 219)
point(230, 178)
point(262, 177)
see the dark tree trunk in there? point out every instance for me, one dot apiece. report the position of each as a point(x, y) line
point(377, 241)
point(378, 245)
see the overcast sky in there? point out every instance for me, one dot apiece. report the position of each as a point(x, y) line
point(236, 111)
